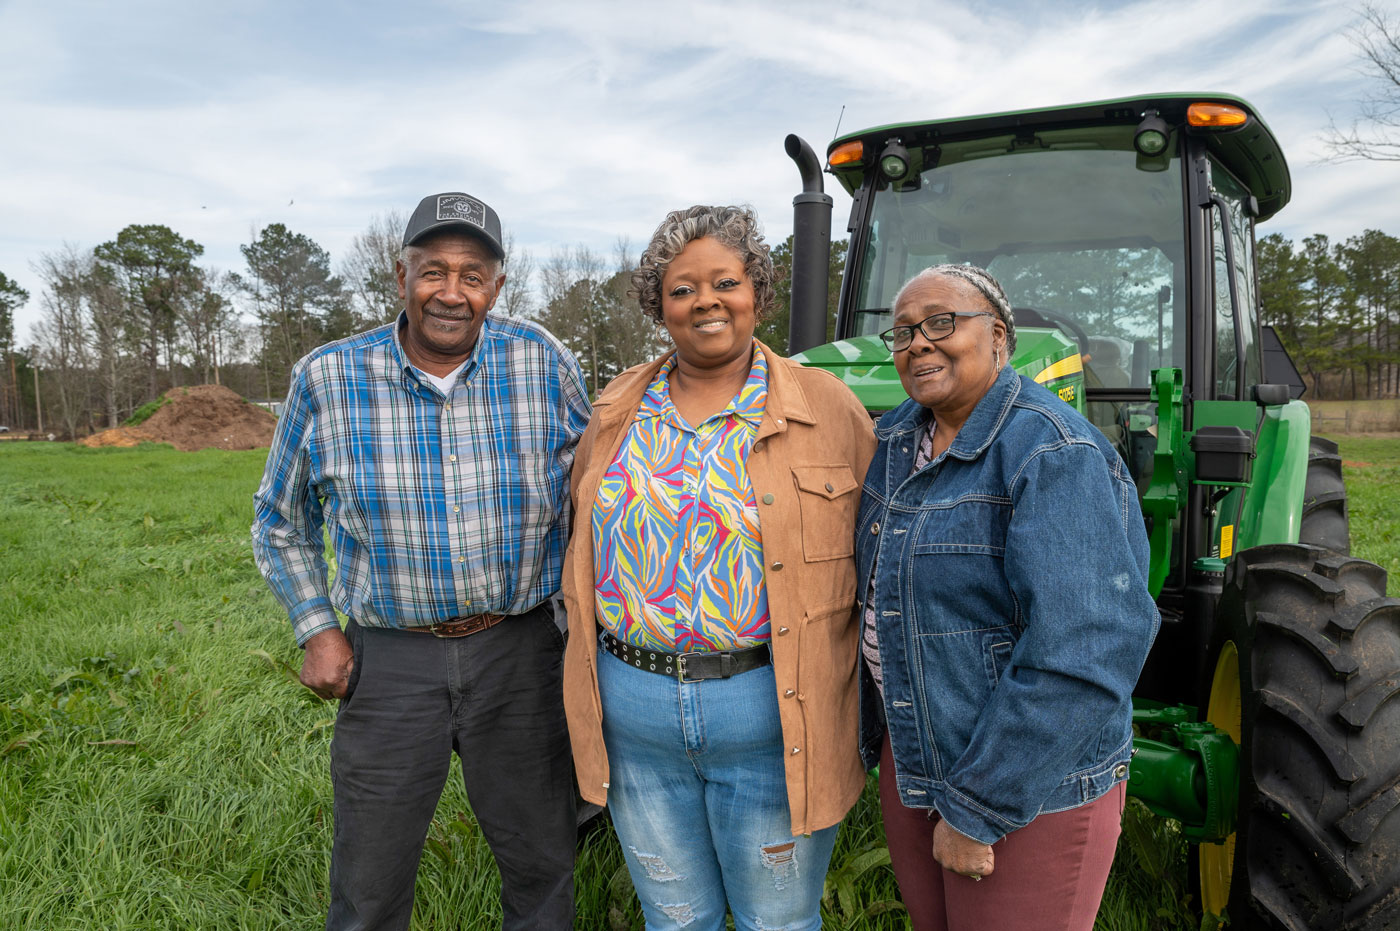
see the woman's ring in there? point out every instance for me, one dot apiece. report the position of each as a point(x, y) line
point(975, 877)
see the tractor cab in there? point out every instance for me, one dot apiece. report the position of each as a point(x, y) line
point(1123, 234)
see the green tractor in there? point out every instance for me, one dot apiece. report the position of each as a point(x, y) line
point(1123, 232)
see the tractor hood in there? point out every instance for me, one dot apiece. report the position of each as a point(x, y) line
point(865, 366)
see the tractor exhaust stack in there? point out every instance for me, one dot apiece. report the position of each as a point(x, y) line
point(811, 251)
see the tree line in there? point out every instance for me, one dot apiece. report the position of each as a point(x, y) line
point(134, 316)
point(1336, 307)
point(126, 320)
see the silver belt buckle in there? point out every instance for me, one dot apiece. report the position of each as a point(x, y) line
point(680, 666)
point(726, 665)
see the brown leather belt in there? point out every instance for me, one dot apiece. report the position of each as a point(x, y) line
point(460, 626)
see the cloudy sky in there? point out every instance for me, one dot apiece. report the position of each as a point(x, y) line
point(582, 122)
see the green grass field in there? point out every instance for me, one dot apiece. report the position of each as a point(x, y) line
point(160, 767)
point(1371, 468)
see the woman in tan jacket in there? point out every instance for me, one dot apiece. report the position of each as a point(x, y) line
point(710, 675)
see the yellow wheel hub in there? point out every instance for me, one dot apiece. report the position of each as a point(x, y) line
point(1217, 861)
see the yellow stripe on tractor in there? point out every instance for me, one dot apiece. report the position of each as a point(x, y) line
point(1069, 365)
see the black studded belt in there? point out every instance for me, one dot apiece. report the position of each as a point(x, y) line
point(689, 667)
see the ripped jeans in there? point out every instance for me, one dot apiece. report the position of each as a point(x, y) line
point(699, 800)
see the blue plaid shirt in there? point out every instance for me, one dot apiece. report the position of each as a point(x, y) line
point(437, 506)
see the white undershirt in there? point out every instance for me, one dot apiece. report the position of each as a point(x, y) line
point(444, 383)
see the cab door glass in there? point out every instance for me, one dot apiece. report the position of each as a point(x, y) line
point(1226, 314)
point(1226, 350)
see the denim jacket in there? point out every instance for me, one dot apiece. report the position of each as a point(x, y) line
point(1011, 608)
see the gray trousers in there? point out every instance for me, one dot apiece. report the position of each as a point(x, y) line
point(496, 698)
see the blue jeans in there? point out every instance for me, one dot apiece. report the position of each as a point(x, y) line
point(699, 801)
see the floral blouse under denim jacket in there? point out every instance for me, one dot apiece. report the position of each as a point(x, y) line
point(1011, 606)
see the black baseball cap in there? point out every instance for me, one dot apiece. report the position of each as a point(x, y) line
point(455, 211)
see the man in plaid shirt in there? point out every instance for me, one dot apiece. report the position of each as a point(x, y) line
point(436, 450)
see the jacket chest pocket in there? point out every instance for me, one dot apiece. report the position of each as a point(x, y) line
point(974, 524)
point(956, 575)
point(827, 497)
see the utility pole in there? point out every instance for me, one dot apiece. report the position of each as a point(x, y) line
point(38, 409)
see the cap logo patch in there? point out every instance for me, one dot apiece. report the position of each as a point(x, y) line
point(461, 207)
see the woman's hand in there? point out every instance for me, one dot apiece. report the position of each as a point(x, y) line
point(960, 853)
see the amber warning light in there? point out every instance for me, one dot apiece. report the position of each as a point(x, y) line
point(847, 153)
point(1215, 115)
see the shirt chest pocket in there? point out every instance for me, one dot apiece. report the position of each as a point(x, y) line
point(827, 496)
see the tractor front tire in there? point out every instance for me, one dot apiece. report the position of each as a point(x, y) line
point(1312, 645)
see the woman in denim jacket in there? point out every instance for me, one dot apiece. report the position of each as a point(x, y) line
point(1003, 564)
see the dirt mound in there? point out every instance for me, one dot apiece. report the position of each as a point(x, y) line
point(199, 417)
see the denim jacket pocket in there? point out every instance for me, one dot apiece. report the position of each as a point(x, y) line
point(954, 675)
point(972, 523)
point(827, 499)
point(984, 599)
point(996, 656)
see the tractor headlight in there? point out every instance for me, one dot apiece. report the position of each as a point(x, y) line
point(1152, 135)
point(894, 161)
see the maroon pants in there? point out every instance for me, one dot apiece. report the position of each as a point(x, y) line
point(1048, 876)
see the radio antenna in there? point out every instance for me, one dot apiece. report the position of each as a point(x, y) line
point(838, 121)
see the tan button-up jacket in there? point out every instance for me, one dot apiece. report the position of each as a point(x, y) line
point(806, 467)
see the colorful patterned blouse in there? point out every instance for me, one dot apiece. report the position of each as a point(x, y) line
point(677, 549)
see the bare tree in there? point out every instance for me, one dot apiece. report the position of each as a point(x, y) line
point(368, 269)
point(517, 300)
point(204, 318)
point(587, 305)
point(633, 335)
point(62, 333)
point(112, 370)
point(1375, 134)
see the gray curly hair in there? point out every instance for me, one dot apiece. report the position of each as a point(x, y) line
point(986, 285)
point(735, 227)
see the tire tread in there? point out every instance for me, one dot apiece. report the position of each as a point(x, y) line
point(1318, 845)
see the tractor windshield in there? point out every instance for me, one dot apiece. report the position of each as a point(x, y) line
point(1084, 234)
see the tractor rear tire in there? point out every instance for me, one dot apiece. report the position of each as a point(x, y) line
point(1317, 844)
point(1325, 499)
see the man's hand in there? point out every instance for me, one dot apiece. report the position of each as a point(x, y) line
point(960, 853)
point(326, 668)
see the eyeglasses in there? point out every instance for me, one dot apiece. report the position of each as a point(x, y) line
point(934, 328)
